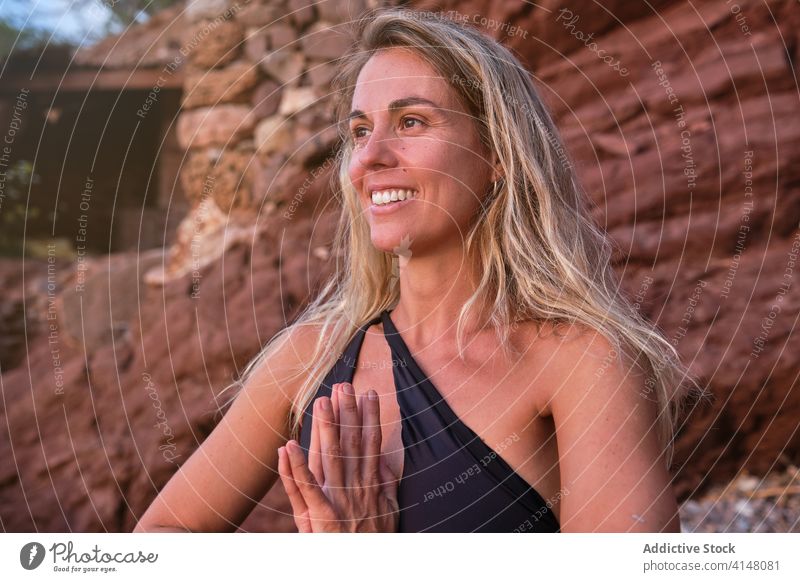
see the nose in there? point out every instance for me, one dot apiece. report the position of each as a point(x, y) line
point(378, 151)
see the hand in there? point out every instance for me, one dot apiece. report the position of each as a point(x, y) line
point(348, 486)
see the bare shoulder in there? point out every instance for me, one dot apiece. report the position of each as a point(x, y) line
point(561, 354)
point(286, 364)
point(607, 433)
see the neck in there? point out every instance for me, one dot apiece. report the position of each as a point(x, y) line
point(433, 289)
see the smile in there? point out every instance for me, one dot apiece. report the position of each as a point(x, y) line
point(391, 200)
point(382, 197)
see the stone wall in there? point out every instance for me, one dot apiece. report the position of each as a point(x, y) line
point(703, 202)
point(256, 113)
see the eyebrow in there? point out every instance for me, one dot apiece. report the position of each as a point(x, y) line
point(398, 104)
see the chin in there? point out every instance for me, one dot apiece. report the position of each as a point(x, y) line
point(391, 240)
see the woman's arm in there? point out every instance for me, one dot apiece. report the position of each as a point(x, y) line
point(612, 470)
point(218, 486)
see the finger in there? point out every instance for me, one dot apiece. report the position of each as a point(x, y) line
point(389, 483)
point(299, 507)
point(349, 431)
point(335, 402)
point(319, 507)
point(330, 448)
point(371, 437)
point(314, 452)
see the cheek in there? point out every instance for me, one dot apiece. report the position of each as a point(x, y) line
point(429, 159)
point(463, 169)
point(354, 171)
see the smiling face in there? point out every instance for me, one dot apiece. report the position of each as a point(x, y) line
point(410, 134)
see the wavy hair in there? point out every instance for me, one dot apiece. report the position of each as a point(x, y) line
point(542, 258)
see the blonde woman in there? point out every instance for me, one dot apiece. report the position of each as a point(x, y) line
point(472, 365)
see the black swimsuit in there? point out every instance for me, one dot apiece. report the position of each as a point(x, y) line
point(452, 480)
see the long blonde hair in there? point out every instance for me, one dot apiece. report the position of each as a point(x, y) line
point(541, 255)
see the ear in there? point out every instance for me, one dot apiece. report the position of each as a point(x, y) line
point(497, 168)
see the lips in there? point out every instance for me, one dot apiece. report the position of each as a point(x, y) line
point(381, 208)
point(388, 186)
point(392, 195)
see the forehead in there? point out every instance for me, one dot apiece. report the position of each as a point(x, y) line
point(395, 73)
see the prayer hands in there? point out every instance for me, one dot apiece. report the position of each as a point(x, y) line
point(346, 486)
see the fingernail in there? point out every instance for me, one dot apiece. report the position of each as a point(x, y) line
point(325, 403)
point(348, 389)
point(372, 395)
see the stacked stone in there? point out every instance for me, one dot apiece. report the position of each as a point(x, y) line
point(683, 260)
point(257, 113)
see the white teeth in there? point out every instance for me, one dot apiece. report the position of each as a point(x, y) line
point(387, 196)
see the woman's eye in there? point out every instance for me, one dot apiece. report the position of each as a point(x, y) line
point(407, 119)
point(359, 132)
point(356, 132)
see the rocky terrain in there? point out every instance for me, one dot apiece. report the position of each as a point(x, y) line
point(681, 121)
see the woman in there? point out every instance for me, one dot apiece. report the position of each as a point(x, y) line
point(409, 417)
